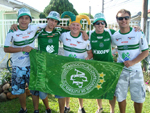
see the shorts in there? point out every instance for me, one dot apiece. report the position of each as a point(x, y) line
point(42, 95)
point(20, 76)
point(135, 81)
point(56, 96)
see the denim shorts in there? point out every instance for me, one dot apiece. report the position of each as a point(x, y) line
point(20, 76)
point(42, 95)
point(56, 96)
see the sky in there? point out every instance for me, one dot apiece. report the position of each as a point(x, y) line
point(110, 9)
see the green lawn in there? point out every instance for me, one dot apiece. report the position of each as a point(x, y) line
point(90, 105)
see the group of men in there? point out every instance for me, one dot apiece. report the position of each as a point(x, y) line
point(131, 45)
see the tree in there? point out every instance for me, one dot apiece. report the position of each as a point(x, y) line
point(60, 6)
point(42, 15)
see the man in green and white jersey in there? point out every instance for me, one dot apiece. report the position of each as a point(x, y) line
point(100, 40)
point(132, 48)
point(74, 46)
point(20, 43)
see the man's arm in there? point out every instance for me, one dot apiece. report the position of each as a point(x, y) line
point(90, 55)
point(139, 58)
point(15, 50)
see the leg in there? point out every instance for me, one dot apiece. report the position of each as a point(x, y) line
point(99, 103)
point(61, 102)
point(80, 103)
point(22, 99)
point(138, 107)
point(35, 101)
point(67, 102)
point(122, 106)
point(112, 104)
point(45, 101)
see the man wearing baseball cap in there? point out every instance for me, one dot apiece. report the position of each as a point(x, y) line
point(20, 43)
point(100, 40)
point(48, 41)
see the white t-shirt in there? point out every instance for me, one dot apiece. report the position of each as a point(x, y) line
point(19, 39)
point(75, 46)
point(129, 46)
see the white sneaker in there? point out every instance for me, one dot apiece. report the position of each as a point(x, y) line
point(99, 110)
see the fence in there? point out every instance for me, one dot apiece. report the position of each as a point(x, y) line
point(6, 24)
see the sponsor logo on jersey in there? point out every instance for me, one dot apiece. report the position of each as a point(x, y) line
point(73, 44)
point(101, 51)
point(50, 49)
point(25, 37)
point(30, 32)
point(101, 45)
point(107, 39)
point(50, 41)
point(71, 55)
point(131, 38)
point(99, 37)
point(49, 36)
point(124, 42)
point(79, 42)
point(18, 34)
point(68, 39)
point(44, 34)
point(117, 39)
point(126, 56)
point(94, 41)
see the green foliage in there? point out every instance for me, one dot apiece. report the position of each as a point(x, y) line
point(60, 6)
point(90, 105)
point(6, 76)
point(42, 15)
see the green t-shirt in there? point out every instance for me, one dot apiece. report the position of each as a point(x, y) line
point(101, 45)
point(49, 41)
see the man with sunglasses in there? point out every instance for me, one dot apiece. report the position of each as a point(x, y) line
point(132, 48)
point(100, 40)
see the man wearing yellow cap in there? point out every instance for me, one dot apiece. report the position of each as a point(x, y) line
point(75, 46)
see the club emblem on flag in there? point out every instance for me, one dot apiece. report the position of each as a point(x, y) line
point(76, 80)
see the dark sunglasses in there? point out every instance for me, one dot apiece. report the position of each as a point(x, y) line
point(98, 23)
point(121, 18)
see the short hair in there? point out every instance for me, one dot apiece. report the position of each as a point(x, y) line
point(123, 11)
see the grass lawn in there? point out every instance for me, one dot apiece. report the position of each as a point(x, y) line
point(90, 105)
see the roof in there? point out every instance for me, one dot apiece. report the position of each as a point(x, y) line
point(14, 5)
point(17, 4)
point(138, 15)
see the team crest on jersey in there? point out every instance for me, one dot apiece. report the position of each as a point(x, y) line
point(50, 41)
point(101, 45)
point(99, 37)
point(117, 39)
point(131, 38)
point(68, 39)
point(26, 42)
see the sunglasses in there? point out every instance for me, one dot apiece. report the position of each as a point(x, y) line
point(121, 18)
point(98, 23)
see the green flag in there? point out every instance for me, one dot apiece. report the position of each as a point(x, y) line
point(72, 77)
